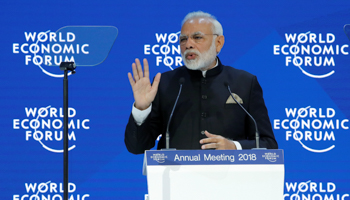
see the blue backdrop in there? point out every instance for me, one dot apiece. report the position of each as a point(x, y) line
point(297, 49)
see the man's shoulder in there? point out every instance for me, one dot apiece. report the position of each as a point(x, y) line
point(237, 72)
point(175, 71)
point(180, 71)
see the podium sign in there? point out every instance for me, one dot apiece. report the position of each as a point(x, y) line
point(214, 174)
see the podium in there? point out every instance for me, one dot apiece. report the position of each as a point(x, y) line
point(214, 174)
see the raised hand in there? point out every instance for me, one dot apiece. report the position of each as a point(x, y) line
point(144, 92)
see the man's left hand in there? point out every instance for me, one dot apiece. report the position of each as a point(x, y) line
point(216, 142)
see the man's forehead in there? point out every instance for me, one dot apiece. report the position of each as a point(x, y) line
point(197, 25)
point(199, 20)
point(195, 33)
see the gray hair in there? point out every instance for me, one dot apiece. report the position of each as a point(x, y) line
point(217, 28)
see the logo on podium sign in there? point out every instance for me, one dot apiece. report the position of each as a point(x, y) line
point(159, 157)
point(272, 157)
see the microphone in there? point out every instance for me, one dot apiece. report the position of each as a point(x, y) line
point(167, 135)
point(257, 136)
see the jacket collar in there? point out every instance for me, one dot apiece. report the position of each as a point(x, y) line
point(210, 73)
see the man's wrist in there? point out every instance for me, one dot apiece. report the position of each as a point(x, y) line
point(142, 108)
point(140, 115)
point(237, 144)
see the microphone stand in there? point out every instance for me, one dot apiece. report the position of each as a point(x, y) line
point(167, 134)
point(65, 66)
point(257, 135)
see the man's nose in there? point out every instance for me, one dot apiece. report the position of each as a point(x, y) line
point(189, 43)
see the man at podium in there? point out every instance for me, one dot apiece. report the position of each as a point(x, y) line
point(206, 116)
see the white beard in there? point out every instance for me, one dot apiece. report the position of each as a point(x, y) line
point(203, 60)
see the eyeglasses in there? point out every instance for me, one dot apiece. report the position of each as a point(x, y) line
point(196, 37)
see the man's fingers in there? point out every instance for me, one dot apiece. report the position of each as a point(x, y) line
point(208, 140)
point(216, 142)
point(134, 72)
point(209, 134)
point(210, 146)
point(155, 84)
point(212, 138)
point(131, 80)
point(139, 68)
point(145, 67)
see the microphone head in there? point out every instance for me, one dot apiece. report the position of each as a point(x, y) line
point(226, 84)
point(182, 80)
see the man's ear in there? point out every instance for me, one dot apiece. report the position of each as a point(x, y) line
point(219, 43)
